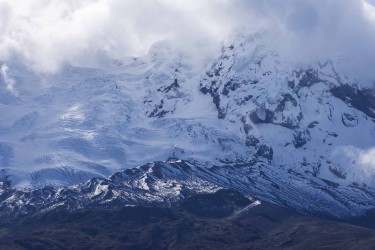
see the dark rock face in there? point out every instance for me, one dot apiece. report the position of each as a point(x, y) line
point(361, 99)
point(252, 141)
point(301, 138)
point(230, 86)
point(309, 77)
point(261, 115)
point(265, 151)
point(158, 111)
point(338, 172)
point(349, 120)
point(173, 87)
point(216, 100)
point(313, 124)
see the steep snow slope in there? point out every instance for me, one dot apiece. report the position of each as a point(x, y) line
point(83, 123)
point(304, 130)
point(304, 120)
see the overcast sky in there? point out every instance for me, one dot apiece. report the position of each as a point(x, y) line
point(49, 33)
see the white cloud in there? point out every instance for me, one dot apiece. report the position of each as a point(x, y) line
point(49, 33)
point(358, 163)
point(367, 158)
point(342, 31)
point(8, 81)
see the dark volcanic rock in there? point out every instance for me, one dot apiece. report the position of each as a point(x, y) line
point(349, 120)
point(361, 99)
point(263, 226)
point(301, 137)
point(220, 204)
point(265, 151)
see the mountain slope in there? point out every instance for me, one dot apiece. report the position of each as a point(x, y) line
point(163, 184)
point(295, 135)
point(219, 220)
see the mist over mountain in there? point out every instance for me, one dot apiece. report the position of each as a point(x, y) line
point(46, 35)
point(188, 107)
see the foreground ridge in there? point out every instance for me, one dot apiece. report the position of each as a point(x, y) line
point(163, 184)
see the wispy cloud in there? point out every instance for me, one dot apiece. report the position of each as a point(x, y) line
point(8, 81)
point(358, 163)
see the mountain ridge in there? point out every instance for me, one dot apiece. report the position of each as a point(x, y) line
point(164, 184)
point(248, 121)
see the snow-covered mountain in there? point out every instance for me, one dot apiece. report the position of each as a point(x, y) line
point(164, 184)
point(295, 135)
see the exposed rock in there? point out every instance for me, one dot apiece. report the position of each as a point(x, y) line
point(338, 172)
point(265, 151)
point(361, 99)
point(349, 120)
point(252, 141)
point(301, 137)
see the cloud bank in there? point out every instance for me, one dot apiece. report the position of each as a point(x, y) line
point(358, 163)
point(50, 33)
